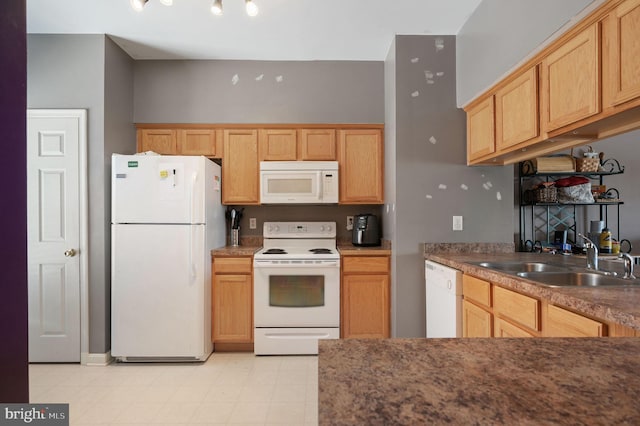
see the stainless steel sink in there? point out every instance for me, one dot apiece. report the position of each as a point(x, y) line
point(514, 267)
point(575, 279)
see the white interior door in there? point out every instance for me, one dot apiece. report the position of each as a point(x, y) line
point(56, 255)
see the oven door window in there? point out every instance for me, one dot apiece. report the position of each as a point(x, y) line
point(296, 291)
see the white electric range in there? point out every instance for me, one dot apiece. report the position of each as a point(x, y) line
point(296, 288)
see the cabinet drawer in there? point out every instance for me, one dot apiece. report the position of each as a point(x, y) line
point(476, 289)
point(365, 264)
point(563, 323)
point(502, 328)
point(232, 265)
point(522, 309)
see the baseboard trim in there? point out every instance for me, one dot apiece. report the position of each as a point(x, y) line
point(97, 359)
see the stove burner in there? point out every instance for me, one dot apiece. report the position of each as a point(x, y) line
point(275, 251)
point(320, 251)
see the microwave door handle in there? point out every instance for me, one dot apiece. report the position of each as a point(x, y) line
point(320, 185)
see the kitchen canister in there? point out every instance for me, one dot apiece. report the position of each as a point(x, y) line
point(605, 241)
point(235, 237)
point(594, 231)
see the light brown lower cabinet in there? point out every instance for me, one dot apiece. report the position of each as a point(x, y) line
point(232, 304)
point(564, 323)
point(476, 322)
point(365, 297)
point(502, 328)
point(489, 310)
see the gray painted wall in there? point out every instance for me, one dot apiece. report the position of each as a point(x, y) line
point(500, 33)
point(432, 181)
point(309, 92)
point(389, 224)
point(68, 71)
point(623, 148)
point(485, 55)
point(119, 137)
point(264, 92)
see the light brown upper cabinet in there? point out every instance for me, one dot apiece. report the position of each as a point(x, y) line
point(621, 59)
point(162, 141)
point(570, 80)
point(240, 167)
point(318, 144)
point(197, 142)
point(517, 110)
point(278, 144)
point(481, 139)
point(360, 162)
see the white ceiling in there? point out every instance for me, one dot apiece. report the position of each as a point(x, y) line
point(283, 30)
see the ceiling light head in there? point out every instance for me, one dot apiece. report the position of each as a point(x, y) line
point(138, 5)
point(216, 8)
point(252, 9)
point(167, 2)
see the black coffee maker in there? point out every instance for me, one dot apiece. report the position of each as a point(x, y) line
point(366, 230)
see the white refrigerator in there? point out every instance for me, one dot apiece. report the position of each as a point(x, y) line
point(166, 217)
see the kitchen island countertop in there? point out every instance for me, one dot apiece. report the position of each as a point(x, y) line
point(479, 381)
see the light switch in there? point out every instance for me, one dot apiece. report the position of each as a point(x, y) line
point(457, 223)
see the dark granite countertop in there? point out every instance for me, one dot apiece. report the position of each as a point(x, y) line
point(235, 251)
point(577, 381)
point(620, 305)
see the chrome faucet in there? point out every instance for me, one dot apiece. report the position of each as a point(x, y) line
point(592, 253)
point(628, 266)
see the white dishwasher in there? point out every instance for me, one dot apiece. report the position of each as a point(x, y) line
point(443, 288)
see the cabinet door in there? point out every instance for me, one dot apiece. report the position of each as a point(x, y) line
point(481, 139)
point(476, 289)
point(521, 309)
point(502, 328)
point(517, 112)
point(232, 309)
point(360, 158)
point(162, 141)
point(570, 80)
point(476, 322)
point(240, 167)
point(318, 144)
point(278, 144)
point(563, 323)
point(197, 142)
point(365, 306)
point(623, 53)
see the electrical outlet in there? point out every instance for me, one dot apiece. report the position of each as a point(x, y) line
point(349, 223)
point(457, 223)
point(252, 223)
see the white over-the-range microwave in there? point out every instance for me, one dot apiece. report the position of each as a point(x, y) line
point(298, 182)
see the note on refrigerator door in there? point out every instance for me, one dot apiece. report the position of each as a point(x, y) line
point(171, 181)
point(216, 183)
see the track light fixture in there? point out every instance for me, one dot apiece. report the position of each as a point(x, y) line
point(138, 5)
point(216, 7)
point(251, 8)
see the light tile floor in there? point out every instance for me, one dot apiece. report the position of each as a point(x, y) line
point(229, 388)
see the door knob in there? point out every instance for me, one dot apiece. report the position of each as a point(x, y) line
point(70, 253)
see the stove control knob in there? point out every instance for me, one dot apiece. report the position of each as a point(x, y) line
point(321, 228)
point(276, 228)
point(329, 228)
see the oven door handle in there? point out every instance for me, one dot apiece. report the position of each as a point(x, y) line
point(268, 264)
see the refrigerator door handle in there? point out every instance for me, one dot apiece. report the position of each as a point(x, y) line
point(192, 270)
point(194, 179)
